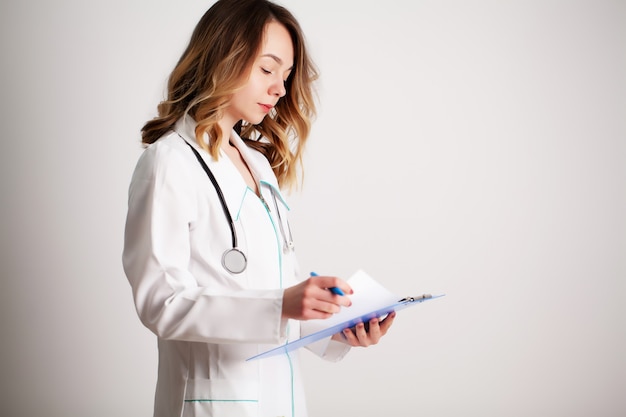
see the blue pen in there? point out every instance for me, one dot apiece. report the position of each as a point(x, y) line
point(334, 290)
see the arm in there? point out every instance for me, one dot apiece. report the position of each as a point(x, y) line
point(157, 260)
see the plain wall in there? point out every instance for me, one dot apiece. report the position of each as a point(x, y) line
point(472, 148)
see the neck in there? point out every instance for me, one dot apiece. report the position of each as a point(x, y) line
point(226, 126)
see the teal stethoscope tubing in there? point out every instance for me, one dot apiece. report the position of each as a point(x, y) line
point(233, 259)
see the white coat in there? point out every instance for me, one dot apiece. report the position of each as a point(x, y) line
point(209, 321)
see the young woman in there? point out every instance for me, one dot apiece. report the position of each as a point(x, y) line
point(208, 250)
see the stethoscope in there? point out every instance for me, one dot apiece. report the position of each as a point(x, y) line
point(233, 259)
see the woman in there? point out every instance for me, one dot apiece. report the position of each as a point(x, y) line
point(208, 250)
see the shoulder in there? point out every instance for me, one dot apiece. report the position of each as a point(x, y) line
point(168, 155)
point(163, 181)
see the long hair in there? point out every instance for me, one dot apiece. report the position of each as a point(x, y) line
point(217, 62)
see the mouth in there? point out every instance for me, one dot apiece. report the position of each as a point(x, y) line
point(266, 107)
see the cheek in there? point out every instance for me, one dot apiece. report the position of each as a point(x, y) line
point(256, 84)
point(242, 97)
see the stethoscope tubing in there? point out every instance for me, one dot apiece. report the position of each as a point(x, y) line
point(233, 259)
point(220, 194)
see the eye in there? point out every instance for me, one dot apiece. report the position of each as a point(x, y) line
point(265, 71)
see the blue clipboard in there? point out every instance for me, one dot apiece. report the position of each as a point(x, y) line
point(327, 332)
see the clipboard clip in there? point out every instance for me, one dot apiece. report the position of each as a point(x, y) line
point(418, 298)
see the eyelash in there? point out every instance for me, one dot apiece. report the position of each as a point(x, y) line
point(270, 72)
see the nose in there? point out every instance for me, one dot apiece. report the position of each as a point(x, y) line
point(278, 88)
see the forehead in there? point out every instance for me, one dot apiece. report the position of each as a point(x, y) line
point(277, 42)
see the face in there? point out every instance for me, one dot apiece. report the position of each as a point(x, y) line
point(266, 83)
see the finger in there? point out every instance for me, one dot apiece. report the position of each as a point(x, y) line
point(323, 294)
point(345, 288)
point(317, 315)
point(314, 308)
point(326, 307)
point(335, 299)
point(387, 322)
point(361, 335)
point(351, 337)
point(341, 300)
point(374, 332)
point(326, 282)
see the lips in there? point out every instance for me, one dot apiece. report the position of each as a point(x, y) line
point(266, 107)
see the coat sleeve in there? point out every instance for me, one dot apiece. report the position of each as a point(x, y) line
point(162, 205)
point(326, 348)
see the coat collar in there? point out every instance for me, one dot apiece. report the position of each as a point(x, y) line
point(233, 186)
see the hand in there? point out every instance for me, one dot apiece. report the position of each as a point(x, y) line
point(312, 299)
point(360, 335)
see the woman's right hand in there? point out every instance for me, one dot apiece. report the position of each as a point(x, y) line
point(312, 299)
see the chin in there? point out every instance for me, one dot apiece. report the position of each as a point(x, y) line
point(255, 120)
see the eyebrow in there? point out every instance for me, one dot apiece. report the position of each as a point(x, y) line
point(277, 59)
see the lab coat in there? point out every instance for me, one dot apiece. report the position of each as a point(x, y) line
point(209, 321)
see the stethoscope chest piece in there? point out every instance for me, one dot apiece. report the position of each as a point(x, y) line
point(234, 261)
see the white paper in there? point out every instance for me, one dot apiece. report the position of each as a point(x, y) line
point(370, 300)
point(368, 296)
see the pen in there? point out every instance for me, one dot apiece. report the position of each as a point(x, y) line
point(334, 290)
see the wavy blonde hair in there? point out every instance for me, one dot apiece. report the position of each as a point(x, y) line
point(217, 62)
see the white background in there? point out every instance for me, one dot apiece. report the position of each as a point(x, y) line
point(474, 148)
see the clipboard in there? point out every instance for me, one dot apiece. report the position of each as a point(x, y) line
point(370, 300)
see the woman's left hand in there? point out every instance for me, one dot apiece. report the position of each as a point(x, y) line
point(363, 336)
